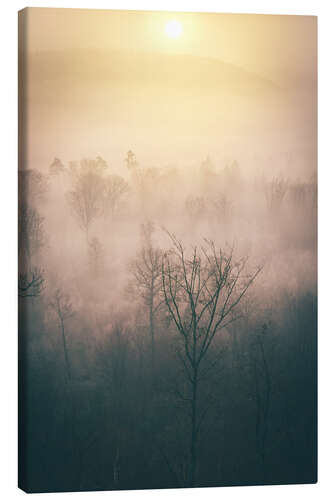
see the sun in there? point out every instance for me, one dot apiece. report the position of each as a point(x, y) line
point(173, 29)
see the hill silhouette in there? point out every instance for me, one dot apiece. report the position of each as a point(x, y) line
point(135, 68)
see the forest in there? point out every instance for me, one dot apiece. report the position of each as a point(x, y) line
point(167, 325)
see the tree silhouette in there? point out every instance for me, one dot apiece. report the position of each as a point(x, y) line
point(30, 283)
point(32, 186)
point(195, 206)
point(201, 292)
point(31, 234)
point(56, 167)
point(221, 206)
point(62, 306)
point(262, 394)
point(275, 191)
point(86, 198)
point(115, 187)
point(131, 161)
point(96, 256)
point(146, 270)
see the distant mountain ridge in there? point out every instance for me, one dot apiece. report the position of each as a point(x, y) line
point(131, 68)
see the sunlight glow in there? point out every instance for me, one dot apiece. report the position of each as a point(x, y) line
point(173, 29)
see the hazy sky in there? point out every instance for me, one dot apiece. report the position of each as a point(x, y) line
point(266, 44)
point(170, 109)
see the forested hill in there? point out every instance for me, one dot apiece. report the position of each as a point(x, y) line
point(146, 68)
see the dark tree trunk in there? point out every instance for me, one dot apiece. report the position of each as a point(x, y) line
point(194, 436)
point(65, 348)
point(152, 328)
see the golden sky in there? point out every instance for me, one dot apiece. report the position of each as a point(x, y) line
point(266, 44)
point(230, 85)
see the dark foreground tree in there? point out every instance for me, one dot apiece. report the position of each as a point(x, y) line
point(262, 394)
point(31, 239)
point(31, 234)
point(63, 310)
point(30, 283)
point(146, 272)
point(201, 291)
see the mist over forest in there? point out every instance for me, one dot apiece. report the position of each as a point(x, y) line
point(167, 273)
point(107, 383)
point(171, 109)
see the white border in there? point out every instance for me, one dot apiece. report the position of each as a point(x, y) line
point(8, 156)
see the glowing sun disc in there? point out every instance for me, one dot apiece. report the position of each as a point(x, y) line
point(173, 29)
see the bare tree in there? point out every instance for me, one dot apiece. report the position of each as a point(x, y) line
point(146, 271)
point(32, 186)
point(298, 194)
point(115, 187)
point(63, 309)
point(131, 161)
point(231, 173)
point(275, 191)
point(101, 164)
point(262, 395)
point(96, 254)
point(86, 198)
point(302, 195)
point(145, 181)
point(113, 356)
point(207, 175)
point(56, 167)
point(30, 283)
point(221, 206)
point(201, 292)
point(313, 190)
point(207, 167)
point(195, 206)
point(31, 238)
point(31, 234)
